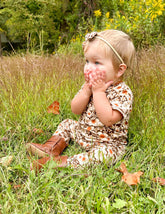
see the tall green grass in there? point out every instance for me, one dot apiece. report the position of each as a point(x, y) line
point(28, 85)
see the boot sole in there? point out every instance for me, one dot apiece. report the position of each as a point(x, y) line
point(35, 151)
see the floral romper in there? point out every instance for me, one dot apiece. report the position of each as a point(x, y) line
point(101, 143)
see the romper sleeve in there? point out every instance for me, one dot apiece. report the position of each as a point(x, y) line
point(121, 98)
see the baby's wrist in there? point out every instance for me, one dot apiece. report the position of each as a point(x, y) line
point(97, 89)
point(87, 90)
point(98, 92)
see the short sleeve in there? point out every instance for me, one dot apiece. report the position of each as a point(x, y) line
point(121, 98)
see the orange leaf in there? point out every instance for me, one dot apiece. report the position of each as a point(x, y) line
point(122, 168)
point(132, 179)
point(17, 186)
point(161, 181)
point(129, 178)
point(54, 108)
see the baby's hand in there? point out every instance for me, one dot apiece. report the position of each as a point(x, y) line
point(89, 74)
point(98, 81)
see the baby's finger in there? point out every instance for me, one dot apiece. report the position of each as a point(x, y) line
point(109, 83)
point(93, 76)
point(86, 76)
point(103, 75)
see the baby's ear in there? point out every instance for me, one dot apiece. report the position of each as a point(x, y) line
point(122, 68)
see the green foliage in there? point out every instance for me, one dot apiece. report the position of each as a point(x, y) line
point(45, 25)
point(141, 19)
point(30, 22)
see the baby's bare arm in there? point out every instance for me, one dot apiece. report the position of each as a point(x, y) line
point(81, 100)
point(104, 111)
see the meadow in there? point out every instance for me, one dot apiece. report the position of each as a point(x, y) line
point(28, 85)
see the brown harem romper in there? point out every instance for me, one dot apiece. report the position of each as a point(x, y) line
point(101, 143)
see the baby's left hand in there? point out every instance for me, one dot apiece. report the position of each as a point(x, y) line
point(98, 81)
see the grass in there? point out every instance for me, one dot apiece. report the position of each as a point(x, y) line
point(28, 84)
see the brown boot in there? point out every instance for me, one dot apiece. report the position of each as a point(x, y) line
point(53, 147)
point(37, 165)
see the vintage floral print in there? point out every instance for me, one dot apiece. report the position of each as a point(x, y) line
point(100, 142)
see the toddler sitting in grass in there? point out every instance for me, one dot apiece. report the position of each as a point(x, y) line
point(104, 103)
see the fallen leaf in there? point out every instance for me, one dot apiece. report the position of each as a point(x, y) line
point(38, 131)
point(6, 161)
point(17, 186)
point(122, 168)
point(161, 181)
point(54, 108)
point(119, 203)
point(129, 178)
point(132, 179)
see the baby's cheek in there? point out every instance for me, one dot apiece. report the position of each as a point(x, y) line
point(87, 71)
point(90, 76)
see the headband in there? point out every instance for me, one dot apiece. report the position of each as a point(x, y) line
point(91, 36)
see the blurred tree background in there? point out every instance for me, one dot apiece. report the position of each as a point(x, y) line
point(48, 25)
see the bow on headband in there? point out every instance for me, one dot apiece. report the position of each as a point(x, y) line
point(90, 36)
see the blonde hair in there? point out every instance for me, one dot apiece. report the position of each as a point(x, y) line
point(120, 41)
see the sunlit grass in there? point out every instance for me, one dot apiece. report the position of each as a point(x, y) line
point(28, 85)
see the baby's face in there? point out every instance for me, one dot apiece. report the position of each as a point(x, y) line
point(96, 59)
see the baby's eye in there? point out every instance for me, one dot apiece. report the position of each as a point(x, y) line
point(97, 63)
point(87, 61)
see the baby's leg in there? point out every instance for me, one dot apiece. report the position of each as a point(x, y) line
point(57, 143)
point(96, 155)
point(66, 129)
